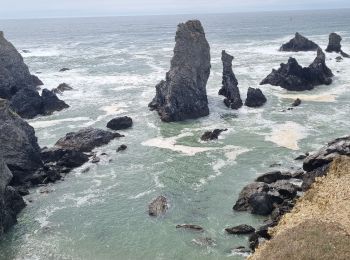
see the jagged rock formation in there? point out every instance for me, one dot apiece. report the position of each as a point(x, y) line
point(229, 87)
point(21, 152)
point(19, 86)
point(299, 43)
point(292, 76)
point(255, 98)
point(183, 94)
point(335, 46)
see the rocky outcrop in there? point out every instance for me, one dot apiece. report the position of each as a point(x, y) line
point(299, 43)
point(229, 87)
point(182, 95)
point(158, 206)
point(85, 140)
point(212, 135)
point(255, 98)
point(51, 102)
point(292, 76)
point(240, 229)
point(120, 123)
point(274, 176)
point(62, 88)
point(21, 152)
point(335, 46)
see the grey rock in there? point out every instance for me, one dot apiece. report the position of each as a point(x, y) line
point(190, 226)
point(335, 46)
point(158, 206)
point(255, 98)
point(242, 203)
point(122, 147)
point(310, 177)
point(229, 87)
point(120, 123)
point(261, 204)
point(183, 94)
point(273, 176)
point(296, 102)
point(27, 103)
point(240, 229)
point(299, 43)
point(62, 88)
point(64, 69)
point(51, 102)
point(292, 76)
point(212, 135)
point(204, 241)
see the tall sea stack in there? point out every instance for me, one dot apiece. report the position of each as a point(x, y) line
point(229, 87)
point(182, 95)
point(335, 46)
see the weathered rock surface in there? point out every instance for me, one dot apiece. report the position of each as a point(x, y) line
point(158, 206)
point(183, 94)
point(85, 140)
point(51, 102)
point(62, 88)
point(274, 176)
point(190, 226)
point(229, 87)
point(299, 43)
point(335, 46)
point(252, 188)
point(292, 76)
point(21, 152)
point(212, 135)
point(255, 98)
point(240, 229)
point(120, 123)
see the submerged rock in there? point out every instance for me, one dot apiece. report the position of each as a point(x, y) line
point(21, 152)
point(335, 46)
point(64, 69)
point(86, 139)
point(204, 241)
point(255, 98)
point(62, 88)
point(158, 206)
point(229, 87)
point(292, 76)
point(296, 102)
point(212, 135)
point(240, 229)
point(299, 43)
point(122, 147)
point(120, 123)
point(183, 94)
point(190, 226)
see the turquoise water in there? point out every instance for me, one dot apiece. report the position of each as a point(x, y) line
point(116, 62)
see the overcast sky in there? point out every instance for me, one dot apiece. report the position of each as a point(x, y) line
point(68, 8)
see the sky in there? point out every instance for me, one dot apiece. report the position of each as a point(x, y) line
point(81, 8)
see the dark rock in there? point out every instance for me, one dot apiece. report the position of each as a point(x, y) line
point(190, 226)
point(158, 206)
point(242, 203)
point(292, 76)
point(22, 190)
point(299, 43)
point(255, 98)
point(122, 147)
point(253, 241)
point(241, 250)
point(241, 229)
point(275, 165)
point(68, 158)
point(212, 135)
point(229, 87)
point(95, 159)
point(263, 231)
point(64, 69)
point(285, 189)
point(339, 59)
point(335, 46)
point(120, 123)
point(27, 103)
point(261, 204)
point(86, 139)
point(51, 102)
point(310, 177)
point(183, 94)
point(271, 177)
point(62, 88)
point(300, 157)
point(339, 146)
point(26, 51)
point(21, 152)
point(296, 102)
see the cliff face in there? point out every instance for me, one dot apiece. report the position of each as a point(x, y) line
point(183, 94)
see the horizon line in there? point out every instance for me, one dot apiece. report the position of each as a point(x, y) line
point(173, 14)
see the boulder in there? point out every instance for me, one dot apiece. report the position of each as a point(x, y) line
point(261, 204)
point(240, 229)
point(51, 102)
point(27, 103)
point(255, 98)
point(158, 206)
point(339, 146)
point(21, 152)
point(335, 46)
point(285, 189)
point(212, 135)
point(242, 203)
point(62, 88)
point(182, 95)
point(296, 102)
point(292, 76)
point(86, 139)
point(120, 123)
point(299, 43)
point(229, 87)
point(274, 176)
point(190, 226)
point(68, 158)
point(122, 147)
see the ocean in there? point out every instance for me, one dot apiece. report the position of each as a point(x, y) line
point(115, 64)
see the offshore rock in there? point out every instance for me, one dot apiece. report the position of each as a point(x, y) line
point(182, 95)
point(255, 98)
point(120, 123)
point(229, 87)
point(62, 88)
point(190, 226)
point(212, 135)
point(240, 229)
point(335, 46)
point(158, 206)
point(292, 76)
point(299, 43)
